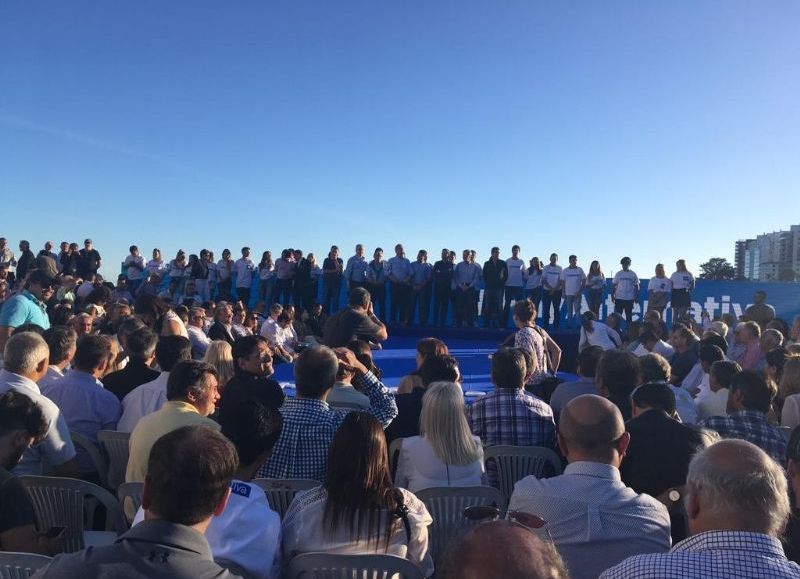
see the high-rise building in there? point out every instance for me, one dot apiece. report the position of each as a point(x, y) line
point(770, 256)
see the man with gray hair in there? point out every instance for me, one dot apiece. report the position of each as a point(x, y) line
point(594, 519)
point(737, 505)
point(26, 356)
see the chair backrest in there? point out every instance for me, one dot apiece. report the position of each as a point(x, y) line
point(446, 506)
point(327, 566)
point(98, 459)
point(20, 565)
point(786, 431)
point(115, 445)
point(513, 463)
point(130, 499)
point(281, 491)
point(394, 454)
point(60, 502)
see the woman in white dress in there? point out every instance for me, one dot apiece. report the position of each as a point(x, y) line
point(358, 510)
point(445, 454)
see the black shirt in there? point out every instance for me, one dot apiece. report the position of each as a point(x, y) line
point(245, 385)
point(682, 364)
point(495, 274)
point(443, 273)
point(659, 453)
point(136, 373)
point(88, 261)
point(406, 423)
point(15, 506)
point(347, 325)
point(336, 264)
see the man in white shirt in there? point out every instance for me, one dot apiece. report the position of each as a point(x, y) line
point(248, 532)
point(552, 285)
point(514, 283)
point(197, 333)
point(25, 363)
point(625, 290)
point(356, 271)
point(151, 396)
point(244, 268)
point(573, 280)
point(595, 521)
point(270, 327)
point(62, 342)
point(649, 342)
point(714, 402)
point(134, 266)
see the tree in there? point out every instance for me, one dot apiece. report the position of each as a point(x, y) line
point(718, 269)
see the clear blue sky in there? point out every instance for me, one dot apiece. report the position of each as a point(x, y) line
point(650, 129)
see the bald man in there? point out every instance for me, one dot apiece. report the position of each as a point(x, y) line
point(595, 520)
point(737, 505)
point(500, 550)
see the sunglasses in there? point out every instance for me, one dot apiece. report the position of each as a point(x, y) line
point(488, 513)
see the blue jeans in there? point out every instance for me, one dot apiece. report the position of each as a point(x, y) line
point(572, 305)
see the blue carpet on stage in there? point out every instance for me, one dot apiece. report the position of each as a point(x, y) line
point(471, 347)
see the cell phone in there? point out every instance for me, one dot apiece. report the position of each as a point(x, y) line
point(54, 532)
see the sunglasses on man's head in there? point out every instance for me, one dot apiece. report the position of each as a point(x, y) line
point(488, 513)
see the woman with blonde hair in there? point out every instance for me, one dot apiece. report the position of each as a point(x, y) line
point(789, 389)
point(445, 453)
point(220, 355)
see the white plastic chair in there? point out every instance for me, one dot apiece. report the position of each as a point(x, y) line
point(446, 506)
point(510, 464)
point(281, 491)
point(327, 566)
point(130, 499)
point(115, 446)
point(20, 565)
point(61, 502)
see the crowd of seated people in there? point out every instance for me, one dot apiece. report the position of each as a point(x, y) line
point(670, 467)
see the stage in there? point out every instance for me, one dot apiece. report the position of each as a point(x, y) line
point(471, 347)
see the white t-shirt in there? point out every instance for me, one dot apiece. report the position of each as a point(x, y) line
point(574, 279)
point(659, 285)
point(626, 284)
point(247, 533)
point(156, 266)
point(533, 280)
point(682, 280)
point(515, 269)
point(134, 267)
point(712, 403)
point(244, 268)
point(551, 277)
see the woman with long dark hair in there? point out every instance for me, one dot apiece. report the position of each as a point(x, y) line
point(266, 278)
point(533, 282)
point(426, 348)
point(358, 510)
point(595, 288)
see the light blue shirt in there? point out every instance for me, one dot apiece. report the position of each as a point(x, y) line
point(22, 309)
point(56, 446)
point(398, 269)
point(421, 273)
point(86, 406)
point(595, 520)
point(356, 269)
point(376, 272)
point(466, 273)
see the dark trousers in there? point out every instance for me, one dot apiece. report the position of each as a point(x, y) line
point(266, 288)
point(465, 307)
point(595, 299)
point(243, 293)
point(626, 306)
point(283, 291)
point(422, 304)
point(400, 302)
point(492, 307)
point(331, 290)
point(514, 294)
point(535, 295)
point(553, 299)
point(441, 299)
point(225, 289)
point(377, 292)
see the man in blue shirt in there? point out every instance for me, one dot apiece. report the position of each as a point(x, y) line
point(399, 273)
point(30, 306)
point(421, 275)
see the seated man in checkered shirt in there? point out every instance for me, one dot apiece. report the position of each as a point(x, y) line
point(508, 414)
point(309, 424)
point(749, 399)
point(737, 504)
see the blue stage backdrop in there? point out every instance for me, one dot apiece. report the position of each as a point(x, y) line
point(717, 297)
